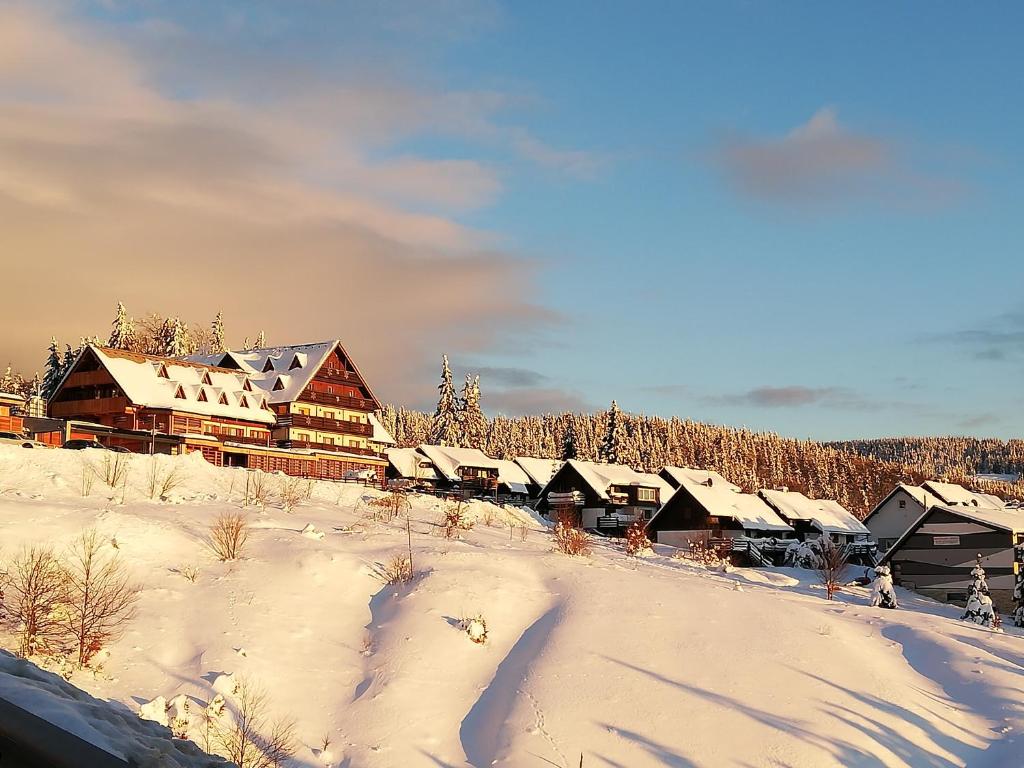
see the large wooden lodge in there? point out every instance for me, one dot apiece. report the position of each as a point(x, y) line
point(304, 410)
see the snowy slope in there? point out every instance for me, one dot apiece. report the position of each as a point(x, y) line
point(634, 663)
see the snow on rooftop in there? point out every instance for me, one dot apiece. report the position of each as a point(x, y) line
point(447, 459)
point(380, 434)
point(679, 474)
point(601, 477)
point(951, 493)
point(141, 377)
point(539, 470)
point(750, 511)
point(512, 475)
point(11, 396)
point(409, 463)
point(824, 514)
point(1009, 519)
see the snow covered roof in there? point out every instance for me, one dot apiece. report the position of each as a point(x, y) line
point(539, 470)
point(283, 372)
point(1008, 519)
point(601, 477)
point(513, 476)
point(411, 464)
point(11, 397)
point(447, 460)
point(951, 493)
point(824, 514)
point(679, 474)
point(750, 511)
point(181, 385)
point(380, 435)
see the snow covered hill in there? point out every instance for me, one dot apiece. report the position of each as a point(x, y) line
point(629, 662)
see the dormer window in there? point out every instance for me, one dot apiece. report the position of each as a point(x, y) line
point(202, 396)
point(179, 393)
point(278, 385)
point(243, 402)
point(162, 371)
point(268, 366)
point(295, 363)
point(247, 386)
point(206, 378)
point(223, 399)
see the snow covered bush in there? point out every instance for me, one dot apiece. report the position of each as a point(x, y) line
point(454, 520)
point(293, 491)
point(801, 554)
point(637, 542)
point(389, 506)
point(832, 562)
point(475, 628)
point(398, 570)
point(98, 600)
point(882, 593)
point(34, 598)
point(228, 535)
point(979, 608)
point(570, 540)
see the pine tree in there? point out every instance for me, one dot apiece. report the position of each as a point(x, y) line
point(472, 422)
point(979, 603)
point(7, 382)
point(882, 593)
point(54, 369)
point(69, 358)
point(444, 429)
point(174, 338)
point(261, 340)
point(217, 328)
point(570, 444)
point(614, 437)
point(122, 332)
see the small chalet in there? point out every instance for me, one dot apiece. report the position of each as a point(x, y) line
point(812, 518)
point(936, 554)
point(469, 471)
point(10, 412)
point(409, 468)
point(539, 472)
point(705, 512)
point(607, 496)
point(674, 476)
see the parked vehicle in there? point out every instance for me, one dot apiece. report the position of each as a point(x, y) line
point(79, 444)
point(116, 448)
point(13, 438)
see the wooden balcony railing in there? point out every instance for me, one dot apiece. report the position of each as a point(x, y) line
point(88, 379)
point(343, 401)
point(326, 447)
point(73, 408)
point(325, 425)
point(338, 376)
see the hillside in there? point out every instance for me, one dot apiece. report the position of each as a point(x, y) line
point(752, 460)
point(631, 662)
point(938, 456)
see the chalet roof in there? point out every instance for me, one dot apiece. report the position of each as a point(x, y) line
point(750, 511)
point(679, 474)
point(919, 494)
point(407, 462)
point(539, 470)
point(139, 376)
point(1007, 519)
point(294, 365)
point(11, 397)
point(380, 434)
point(825, 515)
point(513, 476)
point(951, 493)
point(447, 459)
point(601, 477)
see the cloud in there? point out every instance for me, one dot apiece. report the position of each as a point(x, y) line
point(823, 161)
point(1001, 340)
point(112, 188)
point(510, 377)
point(533, 400)
point(797, 396)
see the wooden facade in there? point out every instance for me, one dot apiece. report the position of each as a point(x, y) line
point(10, 416)
point(612, 507)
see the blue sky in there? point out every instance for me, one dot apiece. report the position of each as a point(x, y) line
point(800, 217)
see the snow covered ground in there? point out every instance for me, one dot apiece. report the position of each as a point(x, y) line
point(629, 662)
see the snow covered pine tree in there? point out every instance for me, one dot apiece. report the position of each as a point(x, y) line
point(444, 428)
point(979, 604)
point(122, 330)
point(54, 369)
point(217, 334)
point(614, 437)
point(472, 421)
point(882, 593)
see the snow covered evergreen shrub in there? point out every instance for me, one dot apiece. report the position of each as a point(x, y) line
point(475, 628)
point(979, 608)
point(228, 535)
point(637, 542)
point(882, 593)
point(37, 584)
point(801, 554)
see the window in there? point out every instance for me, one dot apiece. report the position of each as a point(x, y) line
point(328, 414)
point(278, 385)
point(247, 385)
point(903, 503)
point(268, 366)
point(202, 396)
point(243, 402)
point(646, 494)
point(162, 371)
point(179, 393)
point(295, 363)
point(946, 541)
point(206, 378)
point(223, 399)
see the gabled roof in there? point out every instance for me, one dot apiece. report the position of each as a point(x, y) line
point(825, 515)
point(750, 511)
point(951, 493)
point(513, 476)
point(676, 475)
point(11, 398)
point(601, 477)
point(139, 378)
point(1006, 519)
point(407, 462)
point(539, 470)
point(919, 494)
point(447, 460)
point(294, 365)
point(380, 435)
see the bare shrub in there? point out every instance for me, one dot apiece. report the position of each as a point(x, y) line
point(570, 539)
point(114, 468)
point(189, 573)
point(253, 740)
point(454, 521)
point(258, 489)
point(160, 482)
point(35, 593)
point(832, 562)
point(228, 535)
point(99, 599)
point(701, 553)
point(389, 506)
point(88, 477)
point(398, 570)
point(293, 491)
point(636, 538)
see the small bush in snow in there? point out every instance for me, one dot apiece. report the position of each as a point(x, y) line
point(88, 476)
point(190, 573)
point(454, 521)
point(475, 628)
point(979, 604)
point(228, 535)
point(700, 553)
point(882, 593)
point(114, 468)
point(36, 591)
point(248, 737)
point(160, 482)
point(637, 542)
point(570, 540)
point(389, 506)
point(832, 563)
point(293, 491)
point(398, 570)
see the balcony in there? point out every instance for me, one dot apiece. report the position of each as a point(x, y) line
point(73, 408)
point(309, 445)
point(337, 376)
point(325, 425)
point(341, 401)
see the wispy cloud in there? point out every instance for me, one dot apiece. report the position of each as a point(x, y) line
point(799, 396)
point(823, 161)
point(997, 339)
